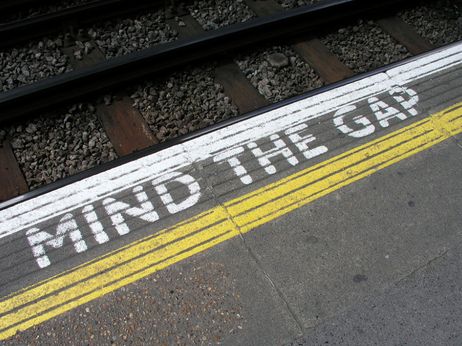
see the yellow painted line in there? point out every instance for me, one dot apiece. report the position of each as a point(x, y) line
point(133, 262)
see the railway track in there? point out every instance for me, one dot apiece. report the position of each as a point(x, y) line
point(125, 127)
point(113, 73)
point(231, 57)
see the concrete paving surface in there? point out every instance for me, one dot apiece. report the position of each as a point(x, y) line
point(378, 262)
point(348, 235)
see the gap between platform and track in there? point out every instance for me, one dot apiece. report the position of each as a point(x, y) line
point(204, 131)
point(232, 216)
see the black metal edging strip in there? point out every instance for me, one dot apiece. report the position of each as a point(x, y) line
point(107, 75)
point(185, 138)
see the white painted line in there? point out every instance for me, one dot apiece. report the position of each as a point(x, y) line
point(177, 158)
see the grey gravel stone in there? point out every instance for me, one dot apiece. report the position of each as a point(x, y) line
point(33, 62)
point(278, 60)
point(49, 148)
point(123, 36)
point(212, 14)
point(439, 21)
point(279, 73)
point(297, 3)
point(184, 102)
point(364, 46)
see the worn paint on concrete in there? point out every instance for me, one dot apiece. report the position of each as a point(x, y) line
point(170, 202)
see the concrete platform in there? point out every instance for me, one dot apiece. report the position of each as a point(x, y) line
point(333, 217)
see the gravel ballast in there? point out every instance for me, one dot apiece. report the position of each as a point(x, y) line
point(364, 46)
point(49, 148)
point(279, 73)
point(440, 22)
point(212, 14)
point(123, 36)
point(183, 102)
point(38, 60)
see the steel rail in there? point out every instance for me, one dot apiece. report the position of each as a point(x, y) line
point(8, 6)
point(116, 72)
point(16, 32)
